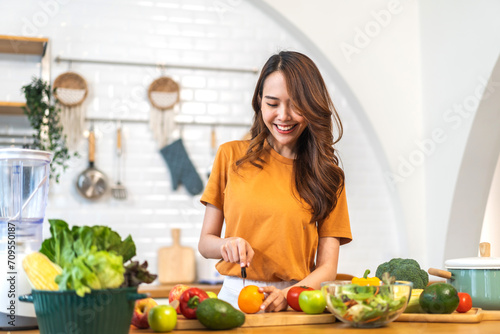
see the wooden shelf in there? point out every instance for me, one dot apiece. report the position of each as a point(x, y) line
point(12, 108)
point(23, 45)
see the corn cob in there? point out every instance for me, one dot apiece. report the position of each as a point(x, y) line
point(41, 271)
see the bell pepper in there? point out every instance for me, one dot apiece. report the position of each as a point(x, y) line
point(365, 280)
point(189, 301)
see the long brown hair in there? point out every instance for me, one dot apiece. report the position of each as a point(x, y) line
point(318, 178)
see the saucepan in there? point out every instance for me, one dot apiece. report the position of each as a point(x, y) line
point(478, 276)
point(92, 183)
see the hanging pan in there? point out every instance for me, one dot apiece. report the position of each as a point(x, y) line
point(92, 184)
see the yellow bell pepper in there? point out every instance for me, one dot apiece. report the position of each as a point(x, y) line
point(365, 280)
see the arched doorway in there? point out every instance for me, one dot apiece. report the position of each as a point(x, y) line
point(476, 174)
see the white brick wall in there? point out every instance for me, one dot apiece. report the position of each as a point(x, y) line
point(185, 32)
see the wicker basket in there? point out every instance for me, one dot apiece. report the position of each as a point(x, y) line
point(163, 93)
point(107, 311)
point(70, 89)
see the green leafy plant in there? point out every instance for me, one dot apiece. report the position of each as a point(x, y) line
point(44, 119)
point(93, 258)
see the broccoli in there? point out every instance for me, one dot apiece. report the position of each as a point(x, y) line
point(405, 270)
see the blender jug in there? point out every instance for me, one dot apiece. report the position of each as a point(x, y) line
point(24, 186)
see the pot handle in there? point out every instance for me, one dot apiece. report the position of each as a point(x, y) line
point(26, 298)
point(484, 249)
point(136, 296)
point(440, 273)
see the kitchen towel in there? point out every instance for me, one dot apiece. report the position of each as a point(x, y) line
point(181, 168)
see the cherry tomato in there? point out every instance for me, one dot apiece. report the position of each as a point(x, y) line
point(292, 297)
point(250, 299)
point(465, 302)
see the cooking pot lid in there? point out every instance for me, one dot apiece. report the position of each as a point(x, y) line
point(473, 263)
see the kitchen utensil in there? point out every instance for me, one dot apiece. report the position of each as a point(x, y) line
point(29, 199)
point(107, 311)
point(176, 264)
point(478, 276)
point(287, 318)
point(92, 183)
point(371, 306)
point(243, 274)
point(118, 190)
point(23, 199)
point(473, 316)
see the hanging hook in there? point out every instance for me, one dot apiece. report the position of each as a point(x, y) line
point(162, 69)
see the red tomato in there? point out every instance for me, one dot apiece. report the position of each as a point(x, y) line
point(465, 303)
point(292, 297)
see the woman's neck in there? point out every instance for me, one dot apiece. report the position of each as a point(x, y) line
point(282, 150)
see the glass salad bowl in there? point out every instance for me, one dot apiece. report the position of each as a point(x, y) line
point(366, 306)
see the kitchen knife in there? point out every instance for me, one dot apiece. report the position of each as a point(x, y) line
point(243, 274)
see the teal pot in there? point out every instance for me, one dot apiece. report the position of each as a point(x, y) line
point(478, 276)
point(107, 311)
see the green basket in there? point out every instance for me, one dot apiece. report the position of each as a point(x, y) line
point(107, 311)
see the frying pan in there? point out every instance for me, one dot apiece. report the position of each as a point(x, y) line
point(92, 184)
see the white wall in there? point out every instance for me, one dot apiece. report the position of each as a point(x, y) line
point(374, 46)
point(491, 226)
point(419, 63)
point(461, 44)
point(198, 32)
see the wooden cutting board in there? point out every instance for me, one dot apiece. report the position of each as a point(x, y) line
point(474, 315)
point(176, 264)
point(288, 318)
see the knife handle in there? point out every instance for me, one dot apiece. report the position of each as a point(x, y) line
point(243, 272)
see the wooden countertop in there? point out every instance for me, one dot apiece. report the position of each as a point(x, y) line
point(393, 328)
point(162, 291)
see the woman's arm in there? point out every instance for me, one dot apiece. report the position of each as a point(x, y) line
point(212, 246)
point(326, 270)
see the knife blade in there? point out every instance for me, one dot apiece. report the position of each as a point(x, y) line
point(243, 274)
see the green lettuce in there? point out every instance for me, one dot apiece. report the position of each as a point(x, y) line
point(58, 248)
point(91, 271)
point(79, 277)
point(93, 257)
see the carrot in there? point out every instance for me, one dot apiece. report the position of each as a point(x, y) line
point(348, 317)
point(372, 320)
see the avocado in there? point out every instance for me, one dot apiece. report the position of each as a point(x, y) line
point(439, 298)
point(218, 314)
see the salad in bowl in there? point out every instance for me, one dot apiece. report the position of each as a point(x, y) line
point(366, 303)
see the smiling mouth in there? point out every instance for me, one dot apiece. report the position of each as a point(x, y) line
point(285, 129)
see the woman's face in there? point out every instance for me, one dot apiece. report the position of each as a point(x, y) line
point(283, 122)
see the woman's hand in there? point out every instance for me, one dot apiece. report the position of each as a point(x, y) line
point(275, 299)
point(237, 250)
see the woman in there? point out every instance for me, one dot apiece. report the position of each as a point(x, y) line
point(281, 193)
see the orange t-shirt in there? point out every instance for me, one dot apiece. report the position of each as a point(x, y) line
point(259, 206)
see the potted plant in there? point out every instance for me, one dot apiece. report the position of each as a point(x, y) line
point(44, 119)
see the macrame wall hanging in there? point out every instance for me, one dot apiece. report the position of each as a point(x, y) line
point(163, 93)
point(70, 92)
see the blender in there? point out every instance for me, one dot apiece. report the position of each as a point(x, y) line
point(24, 187)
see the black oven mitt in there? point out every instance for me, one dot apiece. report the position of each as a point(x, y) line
point(181, 168)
